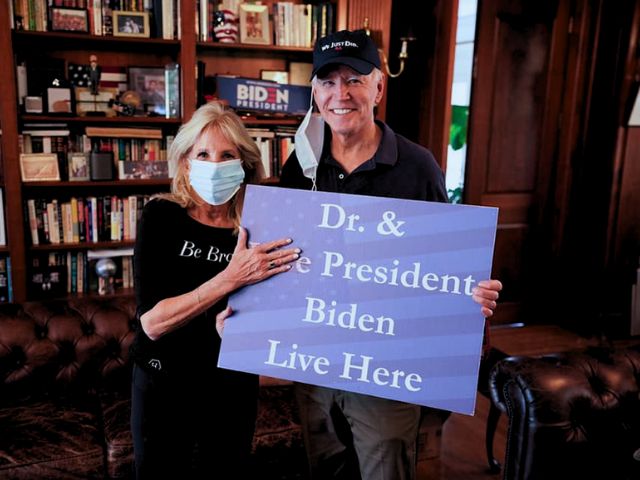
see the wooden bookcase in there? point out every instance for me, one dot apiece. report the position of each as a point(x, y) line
point(238, 59)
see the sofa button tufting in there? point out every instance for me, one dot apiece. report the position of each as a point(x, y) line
point(88, 329)
point(41, 332)
point(19, 357)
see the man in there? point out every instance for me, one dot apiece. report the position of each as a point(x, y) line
point(349, 435)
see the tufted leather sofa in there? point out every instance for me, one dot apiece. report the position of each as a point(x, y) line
point(571, 415)
point(65, 395)
point(65, 398)
point(64, 389)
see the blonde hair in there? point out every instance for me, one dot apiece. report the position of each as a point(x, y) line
point(212, 115)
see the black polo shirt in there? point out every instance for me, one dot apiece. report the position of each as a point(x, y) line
point(399, 169)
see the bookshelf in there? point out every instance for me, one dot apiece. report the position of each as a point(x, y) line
point(187, 51)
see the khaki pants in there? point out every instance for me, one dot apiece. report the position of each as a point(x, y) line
point(350, 436)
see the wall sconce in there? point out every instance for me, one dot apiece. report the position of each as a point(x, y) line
point(402, 56)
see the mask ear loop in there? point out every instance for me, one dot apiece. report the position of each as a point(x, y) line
point(312, 106)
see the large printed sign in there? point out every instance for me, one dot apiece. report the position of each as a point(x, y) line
point(248, 94)
point(379, 302)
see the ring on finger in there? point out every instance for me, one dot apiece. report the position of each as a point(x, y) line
point(272, 264)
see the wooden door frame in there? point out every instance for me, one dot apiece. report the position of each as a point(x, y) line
point(435, 98)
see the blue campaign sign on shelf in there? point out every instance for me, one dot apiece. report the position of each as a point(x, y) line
point(249, 94)
point(379, 302)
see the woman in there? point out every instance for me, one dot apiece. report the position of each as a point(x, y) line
point(189, 418)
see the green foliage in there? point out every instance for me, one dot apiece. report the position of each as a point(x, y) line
point(458, 130)
point(455, 195)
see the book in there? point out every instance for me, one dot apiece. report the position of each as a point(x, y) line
point(3, 231)
point(172, 90)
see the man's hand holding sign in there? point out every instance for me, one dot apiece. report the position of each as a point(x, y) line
point(380, 301)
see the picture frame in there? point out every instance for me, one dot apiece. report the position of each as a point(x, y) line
point(149, 84)
point(59, 101)
point(65, 19)
point(39, 167)
point(130, 24)
point(78, 166)
point(255, 28)
point(89, 104)
point(278, 76)
point(33, 104)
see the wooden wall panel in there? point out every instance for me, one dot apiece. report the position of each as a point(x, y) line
point(517, 105)
point(505, 135)
point(625, 244)
point(10, 158)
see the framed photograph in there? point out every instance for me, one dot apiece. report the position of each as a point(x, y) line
point(78, 166)
point(39, 167)
point(88, 104)
point(278, 76)
point(254, 24)
point(130, 24)
point(32, 104)
point(149, 84)
point(144, 169)
point(59, 100)
point(63, 19)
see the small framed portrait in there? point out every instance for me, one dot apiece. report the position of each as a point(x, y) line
point(254, 24)
point(59, 101)
point(278, 76)
point(130, 24)
point(63, 19)
point(39, 167)
point(149, 84)
point(78, 166)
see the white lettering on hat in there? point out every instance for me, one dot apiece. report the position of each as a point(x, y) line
point(346, 43)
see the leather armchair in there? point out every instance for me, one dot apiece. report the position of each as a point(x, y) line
point(571, 415)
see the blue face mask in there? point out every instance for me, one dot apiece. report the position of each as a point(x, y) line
point(309, 140)
point(216, 182)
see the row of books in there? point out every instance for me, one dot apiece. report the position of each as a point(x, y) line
point(45, 137)
point(137, 152)
point(98, 19)
point(300, 25)
point(91, 219)
point(275, 146)
point(59, 273)
point(294, 24)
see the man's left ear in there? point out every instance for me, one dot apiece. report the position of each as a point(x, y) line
point(380, 87)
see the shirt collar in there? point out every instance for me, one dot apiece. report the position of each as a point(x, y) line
point(387, 153)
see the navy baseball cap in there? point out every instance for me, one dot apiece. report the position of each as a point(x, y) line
point(352, 48)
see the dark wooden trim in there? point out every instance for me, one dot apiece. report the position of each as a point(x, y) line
point(270, 49)
point(435, 108)
point(11, 167)
point(188, 57)
point(71, 41)
point(100, 120)
point(82, 246)
point(99, 184)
